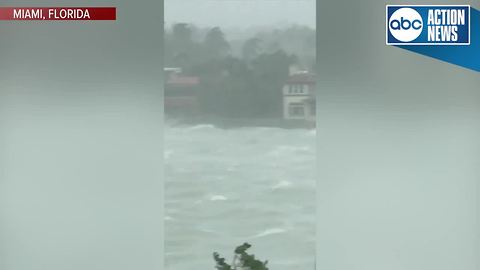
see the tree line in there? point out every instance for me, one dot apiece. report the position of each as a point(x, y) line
point(239, 80)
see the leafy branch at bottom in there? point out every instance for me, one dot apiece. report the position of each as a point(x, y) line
point(241, 260)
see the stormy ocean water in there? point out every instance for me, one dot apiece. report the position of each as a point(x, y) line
point(225, 187)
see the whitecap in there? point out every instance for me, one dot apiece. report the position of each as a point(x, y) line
point(167, 154)
point(282, 185)
point(218, 198)
point(270, 232)
point(288, 150)
point(203, 126)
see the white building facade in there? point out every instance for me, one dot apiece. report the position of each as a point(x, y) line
point(299, 97)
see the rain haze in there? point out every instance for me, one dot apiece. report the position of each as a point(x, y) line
point(80, 141)
point(233, 14)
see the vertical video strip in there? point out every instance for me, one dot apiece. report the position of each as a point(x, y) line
point(240, 134)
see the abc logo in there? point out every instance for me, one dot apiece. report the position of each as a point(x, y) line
point(405, 24)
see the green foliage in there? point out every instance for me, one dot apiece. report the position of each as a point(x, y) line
point(248, 84)
point(216, 46)
point(241, 260)
point(221, 264)
point(251, 49)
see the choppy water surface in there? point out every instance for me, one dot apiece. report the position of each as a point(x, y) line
point(229, 186)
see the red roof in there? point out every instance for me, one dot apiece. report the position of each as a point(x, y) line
point(180, 80)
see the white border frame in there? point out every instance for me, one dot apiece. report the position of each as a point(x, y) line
point(429, 44)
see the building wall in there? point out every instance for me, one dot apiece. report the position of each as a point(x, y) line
point(307, 90)
point(287, 104)
point(290, 98)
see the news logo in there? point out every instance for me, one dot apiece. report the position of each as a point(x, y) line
point(428, 25)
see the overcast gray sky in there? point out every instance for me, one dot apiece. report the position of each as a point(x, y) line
point(240, 13)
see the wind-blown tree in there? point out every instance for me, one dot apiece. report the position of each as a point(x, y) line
point(241, 260)
point(240, 90)
point(232, 88)
point(182, 36)
point(211, 93)
point(179, 45)
point(216, 46)
point(244, 86)
point(271, 71)
point(296, 39)
point(251, 49)
point(182, 49)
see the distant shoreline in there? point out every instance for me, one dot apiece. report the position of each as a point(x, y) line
point(228, 123)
